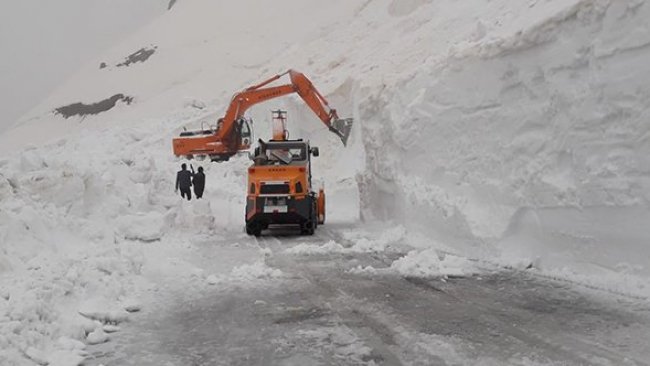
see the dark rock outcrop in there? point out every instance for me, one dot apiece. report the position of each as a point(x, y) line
point(140, 55)
point(82, 110)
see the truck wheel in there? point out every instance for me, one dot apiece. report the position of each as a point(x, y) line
point(254, 229)
point(307, 228)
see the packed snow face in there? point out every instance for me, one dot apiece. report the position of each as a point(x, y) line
point(532, 138)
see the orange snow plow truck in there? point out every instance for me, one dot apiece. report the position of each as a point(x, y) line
point(233, 134)
point(280, 190)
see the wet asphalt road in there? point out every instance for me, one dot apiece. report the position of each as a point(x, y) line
point(318, 313)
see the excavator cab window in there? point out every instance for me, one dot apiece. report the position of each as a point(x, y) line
point(245, 132)
point(245, 128)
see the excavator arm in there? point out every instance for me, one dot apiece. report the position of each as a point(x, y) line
point(226, 141)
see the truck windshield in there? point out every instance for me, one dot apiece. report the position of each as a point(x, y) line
point(286, 153)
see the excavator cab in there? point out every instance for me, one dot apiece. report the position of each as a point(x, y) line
point(245, 132)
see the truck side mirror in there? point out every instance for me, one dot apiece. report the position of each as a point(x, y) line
point(314, 151)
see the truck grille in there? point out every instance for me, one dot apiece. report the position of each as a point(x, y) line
point(274, 189)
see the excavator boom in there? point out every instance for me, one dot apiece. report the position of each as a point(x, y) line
point(230, 137)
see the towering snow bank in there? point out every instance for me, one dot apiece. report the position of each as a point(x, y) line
point(534, 140)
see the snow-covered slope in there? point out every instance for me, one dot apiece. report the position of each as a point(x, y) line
point(44, 43)
point(515, 132)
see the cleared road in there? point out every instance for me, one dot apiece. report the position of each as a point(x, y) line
point(318, 313)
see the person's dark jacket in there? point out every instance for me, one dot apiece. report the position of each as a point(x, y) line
point(183, 179)
point(199, 182)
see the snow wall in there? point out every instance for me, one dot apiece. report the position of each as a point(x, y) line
point(533, 147)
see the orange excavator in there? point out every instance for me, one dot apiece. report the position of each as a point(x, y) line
point(233, 132)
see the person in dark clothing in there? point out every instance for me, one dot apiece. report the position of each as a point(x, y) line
point(198, 181)
point(184, 182)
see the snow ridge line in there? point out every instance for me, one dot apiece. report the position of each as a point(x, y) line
point(537, 34)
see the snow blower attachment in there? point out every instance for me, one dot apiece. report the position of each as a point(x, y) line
point(233, 132)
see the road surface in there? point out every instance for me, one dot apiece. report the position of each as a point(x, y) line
point(319, 313)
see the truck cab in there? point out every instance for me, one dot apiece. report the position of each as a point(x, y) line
point(279, 189)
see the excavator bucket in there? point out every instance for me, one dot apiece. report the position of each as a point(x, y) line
point(342, 127)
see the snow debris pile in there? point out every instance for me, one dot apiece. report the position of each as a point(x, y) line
point(429, 263)
point(247, 274)
point(74, 219)
point(361, 241)
point(364, 271)
point(257, 270)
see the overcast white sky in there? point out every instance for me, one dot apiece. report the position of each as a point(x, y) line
point(42, 42)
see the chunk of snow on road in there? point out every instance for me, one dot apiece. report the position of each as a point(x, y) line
point(255, 271)
point(96, 309)
point(67, 343)
point(115, 316)
point(267, 252)
point(329, 247)
point(110, 328)
point(97, 336)
point(428, 263)
point(212, 279)
point(246, 273)
point(36, 356)
point(66, 358)
point(131, 305)
point(361, 245)
point(367, 270)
